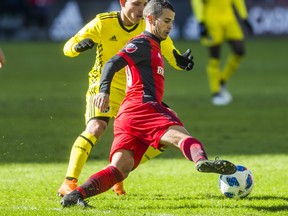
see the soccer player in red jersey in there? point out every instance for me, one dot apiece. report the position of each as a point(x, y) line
point(108, 32)
point(143, 120)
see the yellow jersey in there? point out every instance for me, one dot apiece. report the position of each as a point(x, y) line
point(110, 36)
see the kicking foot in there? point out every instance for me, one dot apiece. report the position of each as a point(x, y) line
point(216, 166)
point(74, 198)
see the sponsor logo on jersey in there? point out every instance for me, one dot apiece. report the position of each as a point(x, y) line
point(130, 48)
point(113, 38)
point(160, 70)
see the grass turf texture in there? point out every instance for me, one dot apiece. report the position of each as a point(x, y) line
point(41, 109)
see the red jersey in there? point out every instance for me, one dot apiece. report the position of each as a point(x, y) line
point(144, 71)
point(142, 118)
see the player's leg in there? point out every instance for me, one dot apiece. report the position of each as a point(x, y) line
point(220, 96)
point(80, 152)
point(213, 69)
point(125, 155)
point(194, 151)
point(152, 152)
point(235, 38)
point(213, 41)
point(121, 165)
point(233, 60)
point(97, 124)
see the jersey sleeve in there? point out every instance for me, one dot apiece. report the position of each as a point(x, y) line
point(241, 8)
point(112, 66)
point(90, 30)
point(167, 47)
point(197, 6)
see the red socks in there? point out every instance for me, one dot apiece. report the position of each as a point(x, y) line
point(100, 182)
point(193, 149)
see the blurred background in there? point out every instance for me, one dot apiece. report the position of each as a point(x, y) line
point(42, 92)
point(57, 20)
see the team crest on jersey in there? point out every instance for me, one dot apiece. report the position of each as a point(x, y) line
point(130, 48)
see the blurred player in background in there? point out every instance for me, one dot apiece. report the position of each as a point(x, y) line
point(2, 58)
point(142, 120)
point(219, 23)
point(108, 32)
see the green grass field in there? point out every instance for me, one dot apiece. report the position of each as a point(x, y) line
point(42, 102)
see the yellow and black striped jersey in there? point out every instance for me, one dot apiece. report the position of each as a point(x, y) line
point(110, 35)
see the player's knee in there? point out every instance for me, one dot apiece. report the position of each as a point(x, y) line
point(125, 172)
point(124, 161)
point(239, 49)
point(240, 52)
point(96, 127)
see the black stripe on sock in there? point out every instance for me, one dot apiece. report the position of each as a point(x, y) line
point(88, 140)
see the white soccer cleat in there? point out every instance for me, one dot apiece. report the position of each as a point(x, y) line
point(219, 100)
point(222, 98)
point(226, 94)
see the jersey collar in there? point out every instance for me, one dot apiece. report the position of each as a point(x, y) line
point(152, 36)
point(122, 25)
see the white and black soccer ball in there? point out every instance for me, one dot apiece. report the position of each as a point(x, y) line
point(237, 185)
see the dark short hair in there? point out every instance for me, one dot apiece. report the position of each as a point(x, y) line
point(155, 7)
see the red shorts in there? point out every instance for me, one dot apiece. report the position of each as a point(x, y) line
point(140, 126)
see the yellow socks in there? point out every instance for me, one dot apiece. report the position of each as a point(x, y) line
point(151, 153)
point(79, 154)
point(215, 76)
point(213, 72)
point(230, 67)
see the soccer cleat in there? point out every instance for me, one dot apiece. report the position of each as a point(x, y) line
point(226, 94)
point(118, 188)
point(74, 199)
point(222, 98)
point(216, 166)
point(67, 187)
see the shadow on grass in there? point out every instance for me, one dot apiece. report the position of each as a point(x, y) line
point(174, 202)
point(271, 208)
point(269, 198)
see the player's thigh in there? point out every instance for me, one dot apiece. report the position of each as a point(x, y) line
point(124, 141)
point(233, 31)
point(174, 135)
point(215, 34)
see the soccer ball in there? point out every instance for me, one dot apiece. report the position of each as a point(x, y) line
point(237, 185)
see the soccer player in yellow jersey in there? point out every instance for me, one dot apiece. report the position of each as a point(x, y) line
point(109, 32)
point(218, 23)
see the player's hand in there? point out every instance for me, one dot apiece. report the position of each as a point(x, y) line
point(203, 29)
point(184, 61)
point(248, 26)
point(101, 101)
point(84, 45)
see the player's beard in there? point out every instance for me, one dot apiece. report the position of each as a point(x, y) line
point(162, 35)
